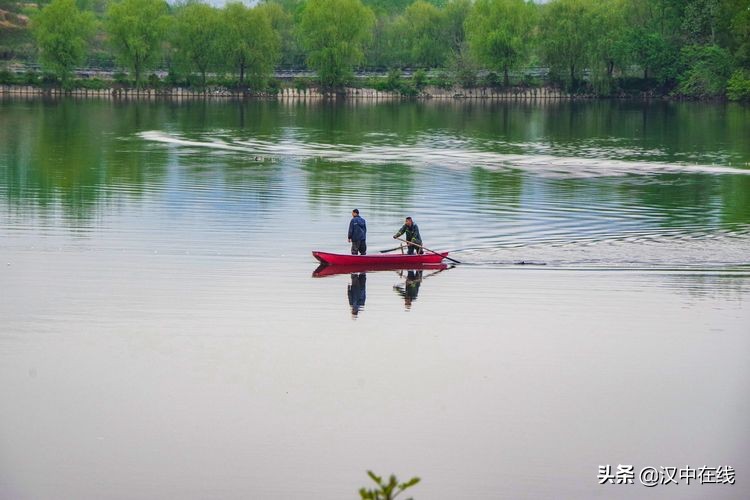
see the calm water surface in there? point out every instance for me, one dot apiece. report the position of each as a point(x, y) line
point(162, 336)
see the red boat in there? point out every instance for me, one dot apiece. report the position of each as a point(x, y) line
point(381, 260)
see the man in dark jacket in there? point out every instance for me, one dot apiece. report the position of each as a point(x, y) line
point(358, 233)
point(412, 236)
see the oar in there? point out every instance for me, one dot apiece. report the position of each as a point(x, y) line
point(425, 248)
point(391, 249)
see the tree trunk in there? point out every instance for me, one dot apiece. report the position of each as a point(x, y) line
point(506, 79)
point(242, 73)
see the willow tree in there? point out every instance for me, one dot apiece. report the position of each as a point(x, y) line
point(197, 30)
point(249, 43)
point(62, 33)
point(136, 30)
point(566, 36)
point(423, 33)
point(334, 32)
point(499, 33)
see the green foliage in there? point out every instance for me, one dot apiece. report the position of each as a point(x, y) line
point(136, 31)
point(491, 79)
point(740, 32)
point(121, 78)
point(421, 31)
point(393, 81)
point(302, 84)
point(461, 64)
point(92, 84)
point(738, 86)
point(699, 20)
point(333, 33)
point(456, 13)
point(386, 490)
point(62, 33)
point(442, 80)
point(566, 38)
point(705, 71)
point(651, 51)
point(197, 32)
point(249, 42)
point(31, 78)
point(606, 46)
point(282, 16)
point(498, 33)
point(7, 78)
point(153, 81)
point(419, 78)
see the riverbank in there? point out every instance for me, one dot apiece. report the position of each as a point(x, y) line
point(429, 92)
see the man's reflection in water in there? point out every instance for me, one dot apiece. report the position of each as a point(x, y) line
point(357, 292)
point(410, 289)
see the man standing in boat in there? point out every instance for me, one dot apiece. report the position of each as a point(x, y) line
point(358, 233)
point(412, 236)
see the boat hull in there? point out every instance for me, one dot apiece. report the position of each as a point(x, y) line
point(400, 260)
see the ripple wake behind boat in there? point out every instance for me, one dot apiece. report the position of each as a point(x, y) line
point(459, 157)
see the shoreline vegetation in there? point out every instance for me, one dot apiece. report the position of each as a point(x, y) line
point(381, 49)
point(511, 93)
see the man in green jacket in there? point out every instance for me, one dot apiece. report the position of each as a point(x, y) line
point(412, 236)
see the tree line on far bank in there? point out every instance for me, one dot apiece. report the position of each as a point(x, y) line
point(693, 48)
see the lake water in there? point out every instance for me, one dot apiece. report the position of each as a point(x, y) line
point(162, 335)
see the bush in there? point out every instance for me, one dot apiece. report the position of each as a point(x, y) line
point(393, 80)
point(443, 81)
point(174, 79)
point(491, 79)
point(50, 80)
point(121, 78)
point(704, 71)
point(91, 84)
point(153, 81)
point(738, 86)
point(31, 78)
point(273, 86)
point(302, 84)
point(419, 79)
point(7, 78)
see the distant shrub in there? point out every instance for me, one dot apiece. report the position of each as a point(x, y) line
point(302, 84)
point(273, 86)
point(31, 78)
point(491, 79)
point(738, 86)
point(92, 84)
point(442, 80)
point(704, 71)
point(121, 78)
point(7, 78)
point(419, 78)
point(50, 80)
point(173, 80)
point(153, 81)
point(393, 80)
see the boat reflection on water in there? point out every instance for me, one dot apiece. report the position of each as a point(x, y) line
point(357, 292)
point(324, 270)
point(356, 289)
